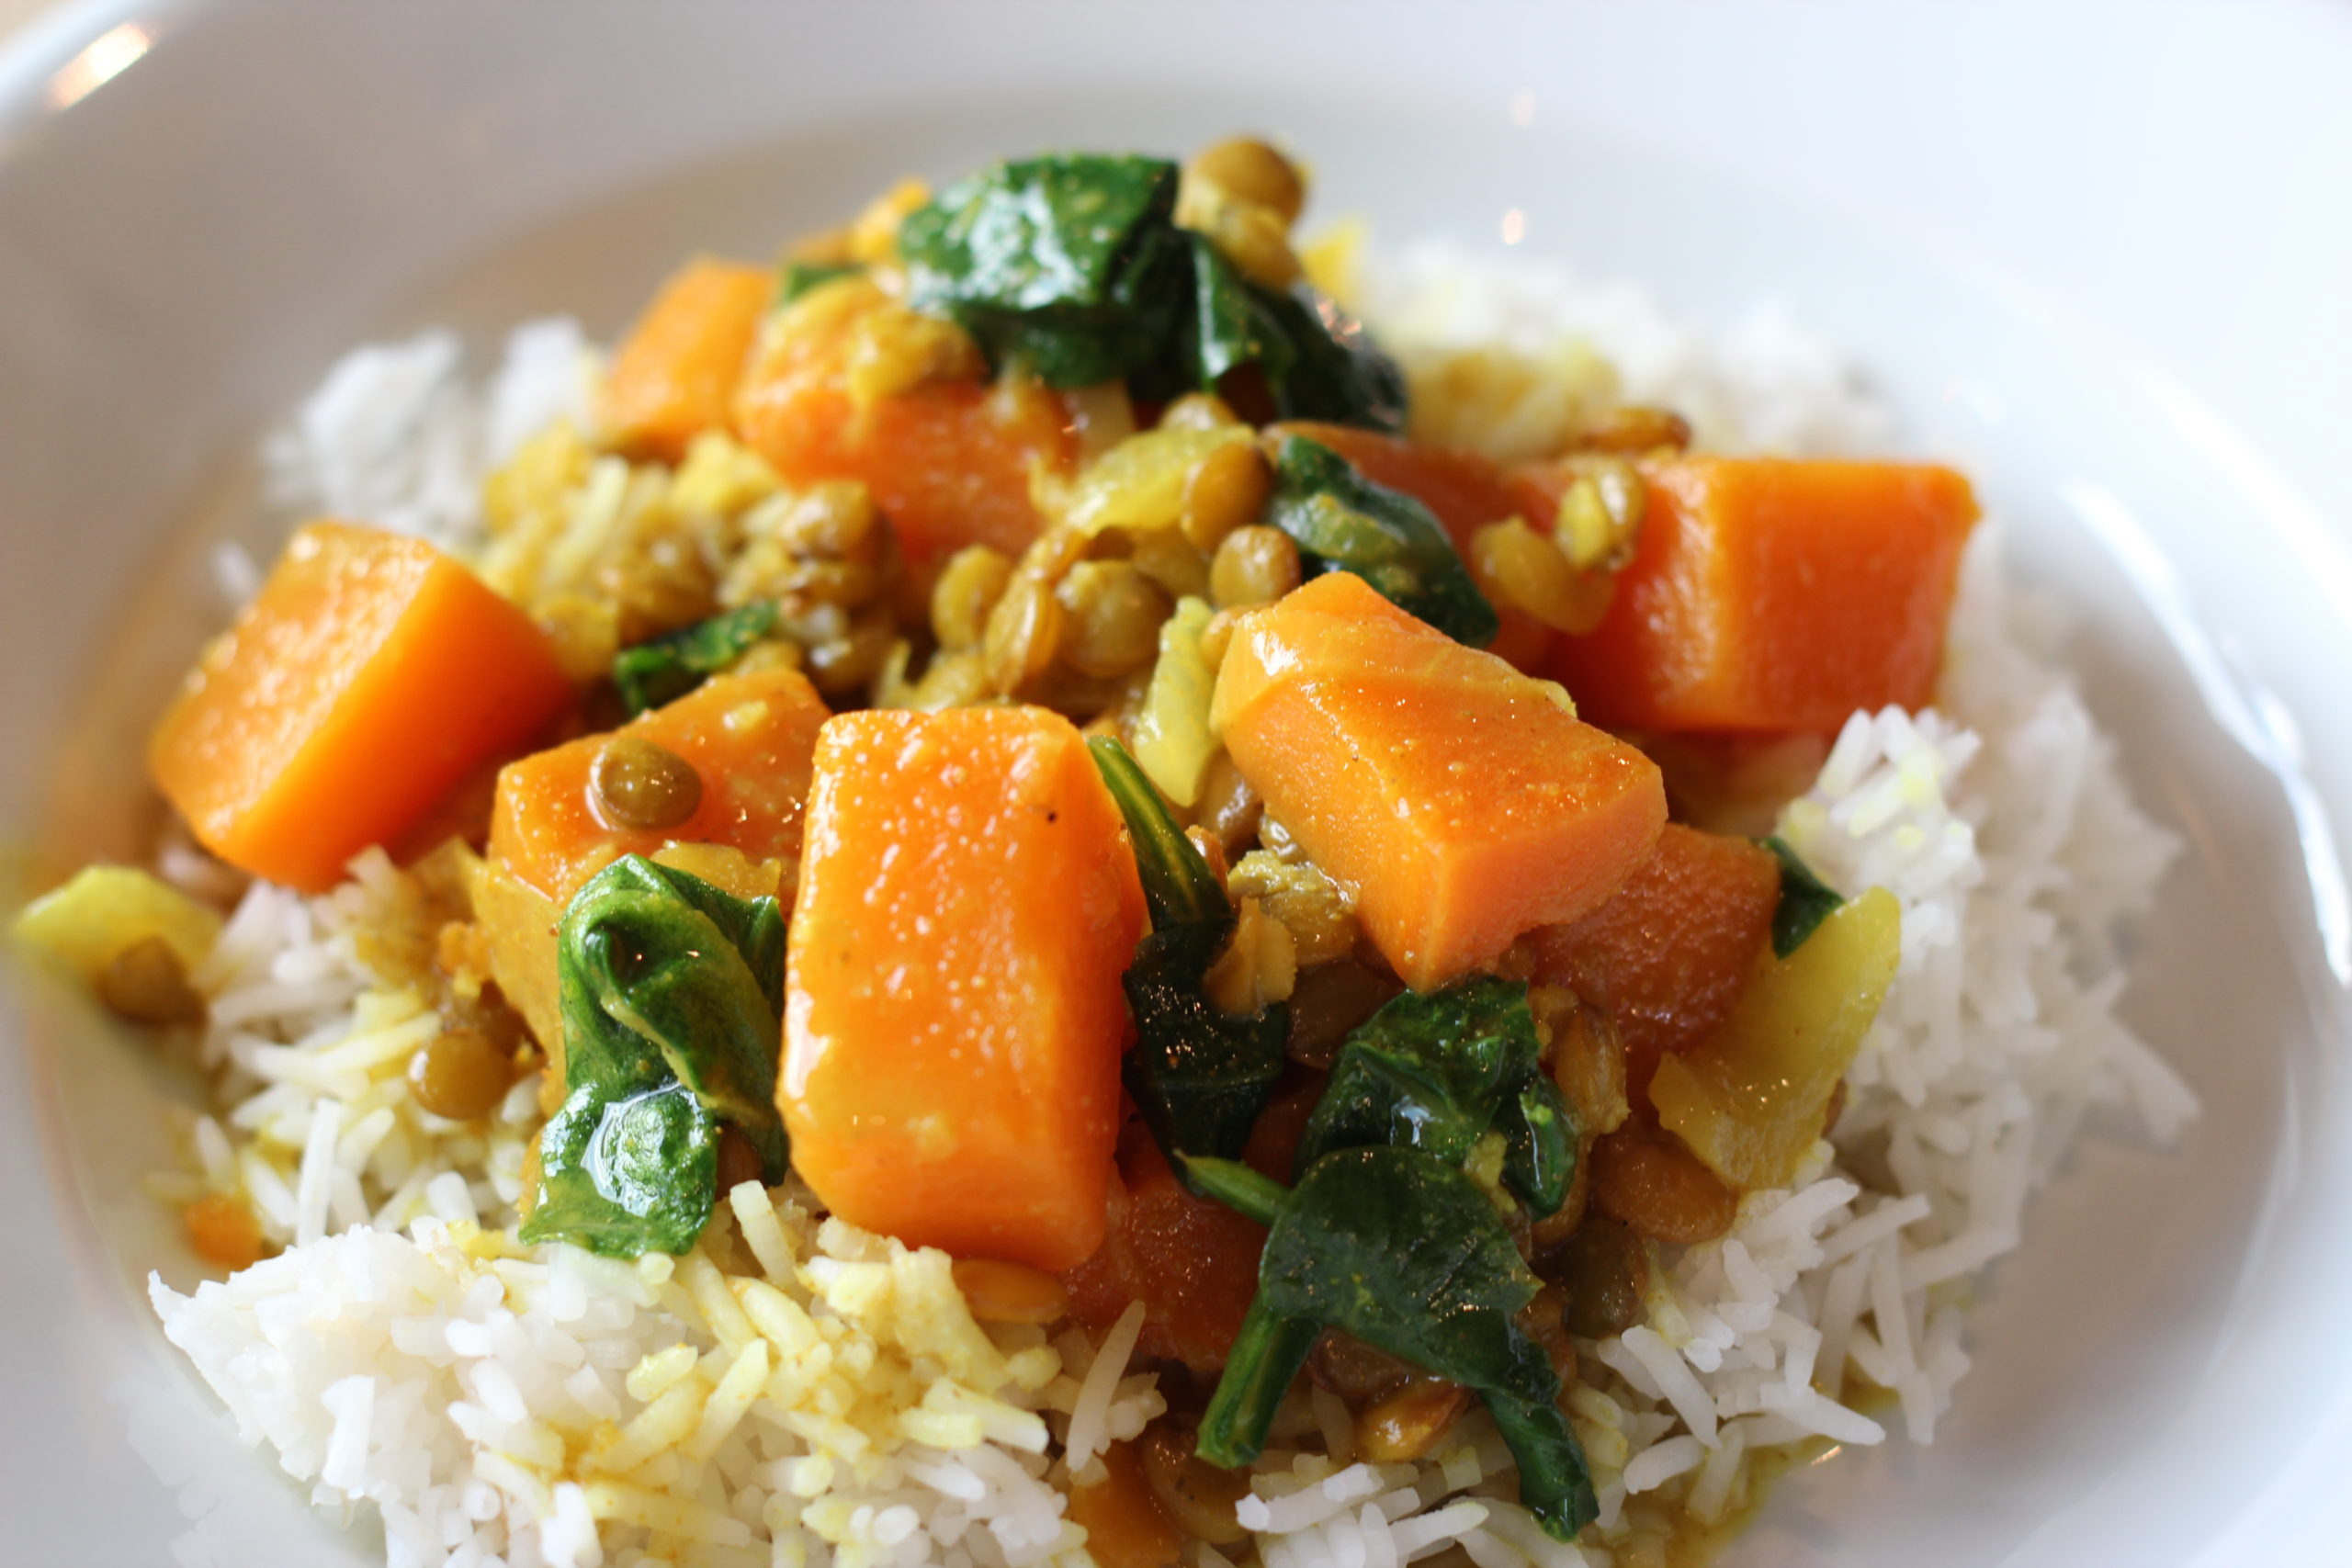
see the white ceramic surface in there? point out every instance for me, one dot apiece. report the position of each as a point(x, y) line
point(2098, 253)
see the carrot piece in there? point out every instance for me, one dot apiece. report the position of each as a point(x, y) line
point(947, 459)
point(953, 1013)
point(1464, 490)
point(369, 675)
point(1670, 954)
point(1459, 801)
point(1771, 594)
point(1191, 1261)
point(751, 737)
point(675, 374)
point(1123, 1524)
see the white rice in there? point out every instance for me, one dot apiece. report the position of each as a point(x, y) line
point(398, 1355)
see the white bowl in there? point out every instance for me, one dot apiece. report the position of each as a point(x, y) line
point(2099, 252)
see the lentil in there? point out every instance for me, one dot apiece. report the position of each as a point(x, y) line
point(146, 984)
point(843, 666)
point(968, 589)
point(1112, 617)
point(1253, 565)
point(1248, 170)
point(1519, 568)
point(635, 784)
point(1226, 490)
point(1024, 629)
point(1632, 427)
point(1198, 410)
point(1404, 1426)
point(1229, 806)
point(460, 1074)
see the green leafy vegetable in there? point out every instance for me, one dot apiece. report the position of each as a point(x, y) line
point(1805, 900)
point(1069, 264)
point(1437, 1073)
point(667, 668)
point(798, 278)
point(1317, 361)
point(1199, 1076)
point(1342, 522)
point(1399, 1248)
point(672, 994)
point(1072, 264)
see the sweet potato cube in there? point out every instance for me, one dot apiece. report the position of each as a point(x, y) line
point(1667, 956)
point(674, 376)
point(952, 1017)
point(1460, 802)
point(369, 675)
point(1772, 594)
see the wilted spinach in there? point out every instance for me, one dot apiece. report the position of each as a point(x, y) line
point(1317, 361)
point(1199, 1076)
point(1342, 522)
point(1072, 264)
point(1805, 899)
point(669, 667)
point(1399, 1248)
point(672, 994)
point(1437, 1073)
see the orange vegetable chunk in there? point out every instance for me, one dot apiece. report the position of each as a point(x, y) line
point(753, 739)
point(1191, 1261)
point(953, 1013)
point(365, 680)
point(1123, 1524)
point(1669, 954)
point(1772, 594)
point(946, 459)
point(1460, 802)
point(675, 374)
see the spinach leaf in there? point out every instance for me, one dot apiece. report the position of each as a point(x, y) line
point(1805, 900)
point(672, 994)
point(1199, 1076)
point(1072, 265)
point(1400, 1248)
point(1436, 1073)
point(798, 278)
point(1317, 361)
point(667, 668)
point(1069, 264)
point(1342, 522)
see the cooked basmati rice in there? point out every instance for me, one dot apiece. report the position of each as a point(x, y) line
point(502, 1405)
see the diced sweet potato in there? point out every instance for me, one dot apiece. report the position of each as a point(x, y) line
point(1771, 594)
point(675, 374)
point(1667, 955)
point(841, 390)
point(1459, 801)
point(750, 738)
point(367, 678)
point(1193, 1262)
point(954, 1017)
